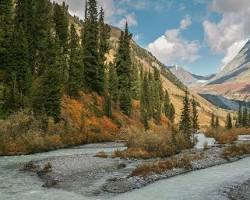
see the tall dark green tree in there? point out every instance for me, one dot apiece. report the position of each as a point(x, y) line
point(144, 102)
point(217, 122)
point(6, 28)
point(212, 123)
point(103, 49)
point(135, 81)
point(229, 123)
point(185, 123)
point(113, 84)
point(158, 96)
point(61, 24)
point(123, 68)
point(41, 29)
point(75, 64)
point(169, 109)
point(240, 115)
point(47, 97)
point(195, 117)
point(90, 47)
point(245, 117)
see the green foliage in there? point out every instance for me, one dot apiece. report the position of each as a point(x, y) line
point(212, 123)
point(123, 67)
point(185, 122)
point(90, 47)
point(113, 84)
point(195, 122)
point(75, 65)
point(229, 123)
point(145, 102)
point(61, 24)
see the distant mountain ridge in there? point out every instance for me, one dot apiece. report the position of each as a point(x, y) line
point(188, 78)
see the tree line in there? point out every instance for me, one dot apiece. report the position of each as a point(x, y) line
point(44, 55)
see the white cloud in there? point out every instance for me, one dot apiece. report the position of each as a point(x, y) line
point(185, 22)
point(226, 36)
point(115, 14)
point(172, 48)
point(130, 18)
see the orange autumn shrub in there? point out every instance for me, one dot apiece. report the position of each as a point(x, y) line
point(108, 125)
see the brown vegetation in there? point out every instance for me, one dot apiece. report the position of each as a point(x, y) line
point(236, 150)
point(152, 144)
point(159, 167)
point(225, 136)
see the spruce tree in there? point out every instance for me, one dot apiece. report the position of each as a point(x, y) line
point(240, 115)
point(245, 117)
point(144, 102)
point(185, 123)
point(75, 65)
point(212, 123)
point(169, 109)
point(6, 28)
point(123, 68)
point(157, 96)
point(61, 24)
point(47, 97)
point(41, 30)
point(113, 84)
point(195, 122)
point(229, 123)
point(171, 112)
point(217, 122)
point(90, 47)
point(135, 81)
point(103, 48)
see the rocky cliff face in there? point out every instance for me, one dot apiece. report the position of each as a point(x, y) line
point(233, 81)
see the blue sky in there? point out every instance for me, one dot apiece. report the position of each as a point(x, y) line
point(200, 35)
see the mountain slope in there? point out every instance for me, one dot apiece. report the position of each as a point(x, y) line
point(233, 81)
point(170, 82)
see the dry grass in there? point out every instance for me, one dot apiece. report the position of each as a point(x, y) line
point(159, 167)
point(236, 150)
point(101, 154)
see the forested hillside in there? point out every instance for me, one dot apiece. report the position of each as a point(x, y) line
point(66, 82)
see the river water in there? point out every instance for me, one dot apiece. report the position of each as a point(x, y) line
point(199, 185)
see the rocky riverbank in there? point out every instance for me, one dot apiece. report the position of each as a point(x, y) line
point(98, 176)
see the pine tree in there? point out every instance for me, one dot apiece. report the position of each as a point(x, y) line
point(212, 123)
point(90, 47)
point(41, 30)
point(157, 95)
point(113, 84)
point(171, 112)
point(240, 115)
point(245, 117)
point(75, 65)
point(123, 68)
point(144, 102)
point(169, 109)
point(185, 123)
point(61, 24)
point(195, 123)
point(47, 97)
point(103, 48)
point(6, 29)
point(217, 122)
point(107, 105)
point(135, 81)
point(229, 123)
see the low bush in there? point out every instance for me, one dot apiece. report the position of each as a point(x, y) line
point(159, 167)
point(236, 150)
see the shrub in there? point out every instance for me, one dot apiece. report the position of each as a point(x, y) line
point(236, 150)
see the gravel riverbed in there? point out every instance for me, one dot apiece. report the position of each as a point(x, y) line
point(98, 176)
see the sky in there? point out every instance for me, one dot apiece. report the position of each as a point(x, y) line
point(200, 35)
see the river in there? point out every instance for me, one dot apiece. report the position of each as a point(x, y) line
point(199, 185)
